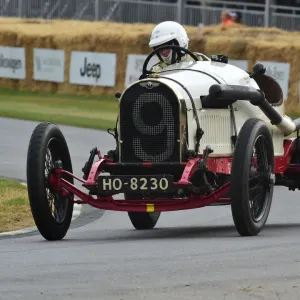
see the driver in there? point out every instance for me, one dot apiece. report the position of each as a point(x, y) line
point(171, 33)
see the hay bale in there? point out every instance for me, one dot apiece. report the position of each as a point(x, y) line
point(277, 50)
point(122, 39)
point(238, 41)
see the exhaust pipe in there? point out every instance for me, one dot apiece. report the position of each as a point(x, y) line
point(256, 97)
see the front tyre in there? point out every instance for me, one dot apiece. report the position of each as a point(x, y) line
point(51, 211)
point(252, 177)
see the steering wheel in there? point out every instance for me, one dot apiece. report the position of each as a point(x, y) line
point(146, 72)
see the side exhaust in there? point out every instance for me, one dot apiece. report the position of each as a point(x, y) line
point(233, 93)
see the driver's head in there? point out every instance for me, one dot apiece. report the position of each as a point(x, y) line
point(169, 33)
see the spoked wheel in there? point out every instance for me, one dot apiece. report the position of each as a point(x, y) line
point(252, 178)
point(142, 220)
point(51, 211)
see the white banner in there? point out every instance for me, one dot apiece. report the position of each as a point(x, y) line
point(280, 72)
point(12, 62)
point(242, 64)
point(92, 68)
point(135, 66)
point(49, 65)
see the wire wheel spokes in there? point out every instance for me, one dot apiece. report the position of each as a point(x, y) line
point(259, 179)
point(56, 202)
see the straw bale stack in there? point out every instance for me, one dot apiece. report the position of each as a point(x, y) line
point(239, 42)
point(122, 39)
point(257, 44)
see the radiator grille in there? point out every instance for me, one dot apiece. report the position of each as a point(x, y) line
point(149, 125)
point(217, 131)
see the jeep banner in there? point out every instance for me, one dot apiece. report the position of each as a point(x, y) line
point(91, 68)
point(280, 72)
point(12, 62)
point(135, 66)
point(48, 65)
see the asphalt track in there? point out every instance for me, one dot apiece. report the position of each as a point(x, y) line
point(194, 254)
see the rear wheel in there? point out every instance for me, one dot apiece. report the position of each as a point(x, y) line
point(142, 220)
point(252, 177)
point(51, 211)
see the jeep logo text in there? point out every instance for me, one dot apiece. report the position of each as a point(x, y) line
point(90, 69)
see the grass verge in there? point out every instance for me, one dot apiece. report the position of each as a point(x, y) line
point(80, 111)
point(15, 210)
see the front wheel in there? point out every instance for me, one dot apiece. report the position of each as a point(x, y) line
point(51, 211)
point(252, 177)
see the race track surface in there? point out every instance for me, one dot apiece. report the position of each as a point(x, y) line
point(194, 254)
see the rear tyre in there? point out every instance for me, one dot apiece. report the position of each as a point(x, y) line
point(252, 179)
point(142, 220)
point(51, 211)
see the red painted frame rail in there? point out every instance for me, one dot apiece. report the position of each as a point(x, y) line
point(219, 165)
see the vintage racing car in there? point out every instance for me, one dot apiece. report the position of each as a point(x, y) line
point(195, 134)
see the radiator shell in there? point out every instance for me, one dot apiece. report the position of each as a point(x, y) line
point(150, 124)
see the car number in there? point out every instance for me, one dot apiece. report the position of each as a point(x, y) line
point(154, 183)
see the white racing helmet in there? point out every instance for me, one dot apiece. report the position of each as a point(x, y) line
point(169, 33)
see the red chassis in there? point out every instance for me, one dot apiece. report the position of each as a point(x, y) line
point(282, 167)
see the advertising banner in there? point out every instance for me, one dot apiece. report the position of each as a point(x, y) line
point(242, 64)
point(48, 65)
point(12, 62)
point(135, 65)
point(280, 72)
point(92, 68)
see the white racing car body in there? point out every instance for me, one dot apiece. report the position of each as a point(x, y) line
point(219, 122)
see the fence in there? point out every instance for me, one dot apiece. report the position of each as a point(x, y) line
point(188, 12)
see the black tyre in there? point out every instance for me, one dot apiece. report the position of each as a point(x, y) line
point(51, 211)
point(252, 182)
point(142, 220)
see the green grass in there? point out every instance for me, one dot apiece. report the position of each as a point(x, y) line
point(15, 202)
point(15, 212)
point(81, 111)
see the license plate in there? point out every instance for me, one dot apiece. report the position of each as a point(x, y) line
point(139, 183)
